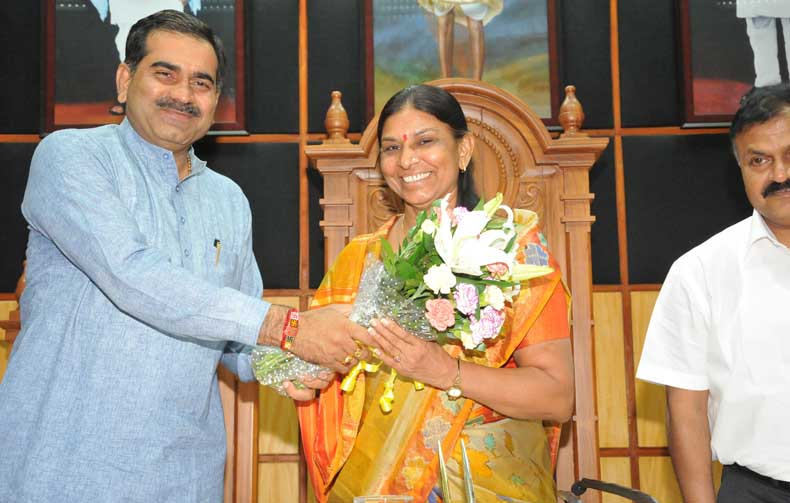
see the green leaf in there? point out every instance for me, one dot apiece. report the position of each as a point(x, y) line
point(510, 243)
point(421, 289)
point(472, 281)
point(406, 271)
point(429, 244)
point(386, 250)
point(421, 216)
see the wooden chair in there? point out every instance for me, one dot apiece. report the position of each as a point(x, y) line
point(514, 155)
point(11, 325)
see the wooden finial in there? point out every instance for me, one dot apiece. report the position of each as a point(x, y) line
point(571, 113)
point(336, 122)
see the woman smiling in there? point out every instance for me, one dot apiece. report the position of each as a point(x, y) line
point(496, 402)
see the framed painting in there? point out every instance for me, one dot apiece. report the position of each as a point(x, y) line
point(85, 40)
point(727, 48)
point(511, 44)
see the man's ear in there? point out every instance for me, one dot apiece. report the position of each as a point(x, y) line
point(123, 76)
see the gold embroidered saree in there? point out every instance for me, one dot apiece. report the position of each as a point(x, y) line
point(352, 448)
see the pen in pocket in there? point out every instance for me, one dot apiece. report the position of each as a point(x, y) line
point(218, 246)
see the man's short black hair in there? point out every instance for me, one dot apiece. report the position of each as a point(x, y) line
point(176, 22)
point(760, 105)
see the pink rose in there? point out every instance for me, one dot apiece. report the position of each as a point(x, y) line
point(489, 324)
point(497, 269)
point(440, 314)
point(465, 298)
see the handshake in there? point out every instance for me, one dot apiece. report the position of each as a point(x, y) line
point(326, 337)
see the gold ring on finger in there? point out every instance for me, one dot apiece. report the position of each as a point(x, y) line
point(358, 353)
point(347, 359)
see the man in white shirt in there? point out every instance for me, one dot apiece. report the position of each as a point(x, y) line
point(719, 336)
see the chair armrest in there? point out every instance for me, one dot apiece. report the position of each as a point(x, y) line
point(580, 486)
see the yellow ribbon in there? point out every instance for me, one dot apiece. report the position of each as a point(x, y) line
point(350, 381)
point(388, 396)
point(386, 399)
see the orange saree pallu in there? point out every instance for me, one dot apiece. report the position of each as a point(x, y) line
point(352, 448)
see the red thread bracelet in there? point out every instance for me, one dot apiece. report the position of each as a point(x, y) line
point(290, 329)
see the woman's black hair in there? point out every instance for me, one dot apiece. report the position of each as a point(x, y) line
point(442, 105)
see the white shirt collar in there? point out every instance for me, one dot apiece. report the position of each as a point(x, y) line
point(759, 230)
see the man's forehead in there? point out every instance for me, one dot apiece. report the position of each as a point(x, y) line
point(773, 127)
point(174, 45)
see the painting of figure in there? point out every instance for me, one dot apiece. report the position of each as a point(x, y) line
point(86, 41)
point(503, 42)
point(728, 47)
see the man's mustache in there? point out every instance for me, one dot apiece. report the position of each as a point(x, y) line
point(187, 108)
point(775, 186)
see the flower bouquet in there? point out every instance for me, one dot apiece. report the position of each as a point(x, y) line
point(450, 280)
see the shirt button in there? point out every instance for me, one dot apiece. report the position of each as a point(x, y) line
point(165, 156)
point(178, 188)
point(183, 220)
point(186, 252)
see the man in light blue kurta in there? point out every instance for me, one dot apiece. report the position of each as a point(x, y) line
point(140, 279)
point(105, 314)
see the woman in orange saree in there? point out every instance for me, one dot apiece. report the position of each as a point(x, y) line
point(523, 378)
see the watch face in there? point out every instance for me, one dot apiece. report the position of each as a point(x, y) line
point(454, 392)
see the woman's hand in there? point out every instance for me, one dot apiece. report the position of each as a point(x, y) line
point(410, 356)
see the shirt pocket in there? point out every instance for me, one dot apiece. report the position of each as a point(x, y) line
point(222, 267)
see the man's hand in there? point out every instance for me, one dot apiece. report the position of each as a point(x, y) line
point(328, 338)
point(311, 385)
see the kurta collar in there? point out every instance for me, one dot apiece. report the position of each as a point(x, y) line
point(155, 153)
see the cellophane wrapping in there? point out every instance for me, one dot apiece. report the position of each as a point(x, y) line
point(378, 296)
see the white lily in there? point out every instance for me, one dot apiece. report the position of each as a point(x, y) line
point(469, 247)
point(524, 272)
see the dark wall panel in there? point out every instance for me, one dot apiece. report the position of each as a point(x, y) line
point(21, 60)
point(273, 66)
point(13, 238)
point(85, 46)
point(583, 35)
point(269, 175)
point(708, 21)
point(605, 255)
point(680, 190)
point(336, 60)
point(650, 88)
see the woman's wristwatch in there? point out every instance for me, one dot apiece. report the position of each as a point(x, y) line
point(454, 392)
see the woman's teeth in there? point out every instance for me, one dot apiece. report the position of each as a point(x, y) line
point(416, 178)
